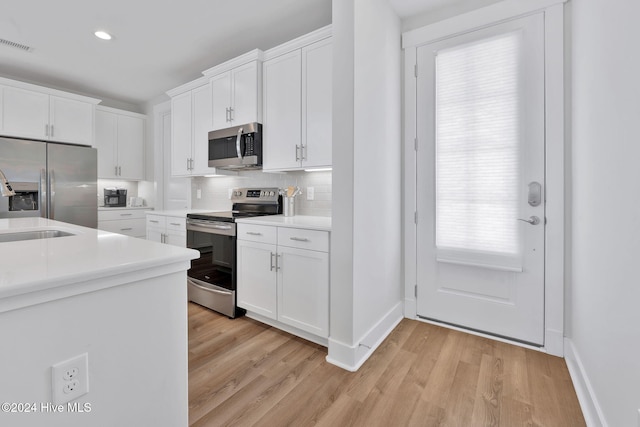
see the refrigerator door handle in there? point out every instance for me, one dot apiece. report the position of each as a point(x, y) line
point(44, 206)
point(52, 193)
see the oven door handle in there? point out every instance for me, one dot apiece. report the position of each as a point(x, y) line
point(191, 282)
point(207, 224)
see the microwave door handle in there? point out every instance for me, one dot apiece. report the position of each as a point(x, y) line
point(238, 139)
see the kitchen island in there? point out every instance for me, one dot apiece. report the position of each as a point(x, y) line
point(118, 299)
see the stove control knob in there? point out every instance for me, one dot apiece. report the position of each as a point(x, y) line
point(262, 193)
point(272, 193)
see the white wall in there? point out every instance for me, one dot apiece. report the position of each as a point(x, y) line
point(366, 290)
point(605, 295)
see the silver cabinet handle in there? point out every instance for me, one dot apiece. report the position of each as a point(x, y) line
point(277, 262)
point(226, 114)
point(154, 221)
point(231, 110)
point(271, 267)
point(299, 239)
point(297, 153)
point(119, 170)
point(177, 224)
point(115, 170)
point(533, 220)
point(303, 152)
point(253, 233)
point(51, 130)
point(46, 130)
point(126, 229)
point(125, 214)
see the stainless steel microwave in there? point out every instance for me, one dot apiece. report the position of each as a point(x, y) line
point(239, 147)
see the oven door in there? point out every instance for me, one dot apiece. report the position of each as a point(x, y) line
point(212, 277)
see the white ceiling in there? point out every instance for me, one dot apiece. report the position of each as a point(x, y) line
point(157, 45)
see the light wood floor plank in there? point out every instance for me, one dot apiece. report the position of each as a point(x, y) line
point(244, 373)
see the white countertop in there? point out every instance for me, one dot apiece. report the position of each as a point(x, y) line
point(107, 208)
point(308, 222)
point(31, 266)
point(179, 212)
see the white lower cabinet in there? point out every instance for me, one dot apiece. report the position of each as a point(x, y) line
point(167, 229)
point(283, 274)
point(130, 222)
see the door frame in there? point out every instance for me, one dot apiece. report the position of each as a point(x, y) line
point(554, 151)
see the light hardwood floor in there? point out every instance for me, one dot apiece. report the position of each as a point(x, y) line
point(244, 373)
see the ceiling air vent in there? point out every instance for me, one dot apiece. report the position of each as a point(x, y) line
point(16, 45)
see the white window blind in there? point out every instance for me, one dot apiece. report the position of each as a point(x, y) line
point(478, 113)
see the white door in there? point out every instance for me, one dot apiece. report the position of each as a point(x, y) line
point(130, 147)
point(181, 134)
point(106, 141)
point(257, 277)
point(303, 289)
point(202, 124)
point(221, 100)
point(480, 171)
point(71, 121)
point(176, 191)
point(244, 90)
point(317, 100)
point(282, 111)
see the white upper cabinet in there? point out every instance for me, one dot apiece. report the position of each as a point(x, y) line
point(282, 111)
point(317, 91)
point(236, 91)
point(119, 138)
point(191, 121)
point(297, 101)
point(30, 111)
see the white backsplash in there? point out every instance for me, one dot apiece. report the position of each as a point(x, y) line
point(215, 191)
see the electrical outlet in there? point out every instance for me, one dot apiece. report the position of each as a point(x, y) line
point(198, 193)
point(311, 193)
point(70, 379)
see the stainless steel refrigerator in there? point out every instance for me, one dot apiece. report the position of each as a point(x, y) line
point(56, 181)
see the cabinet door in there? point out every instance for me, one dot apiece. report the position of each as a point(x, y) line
point(317, 104)
point(71, 121)
point(26, 113)
point(176, 239)
point(257, 277)
point(202, 124)
point(221, 100)
point(105, 141)
point(282, 112)
point(154, 234)
point(244, 94)
point(303, 290)
point(181, 129)
point(130, 147)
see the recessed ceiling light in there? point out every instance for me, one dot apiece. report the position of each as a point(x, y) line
point(103, 35)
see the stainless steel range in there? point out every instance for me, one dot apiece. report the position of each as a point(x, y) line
point(212, 277)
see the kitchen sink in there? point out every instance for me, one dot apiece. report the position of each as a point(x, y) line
point(33, 235)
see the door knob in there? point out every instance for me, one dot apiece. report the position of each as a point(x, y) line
point(533, 220)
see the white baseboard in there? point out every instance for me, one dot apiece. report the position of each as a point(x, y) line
point(590, 407)
point(554, 342)
point(352, 357)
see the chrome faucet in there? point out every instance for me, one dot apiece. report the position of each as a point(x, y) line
point(5, 187)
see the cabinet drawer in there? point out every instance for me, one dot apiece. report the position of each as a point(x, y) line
point(121, 214)
point(257, 233)
point(176, 224)
point(156, 221)
point(129, 227)
point(303, 239)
